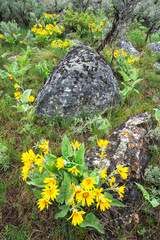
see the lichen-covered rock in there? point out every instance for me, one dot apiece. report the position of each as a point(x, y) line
point(81, 83)
point(127, 47)
point(155, 47)
point(127, 147)
point(157, 65)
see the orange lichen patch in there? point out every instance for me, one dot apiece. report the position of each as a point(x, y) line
point(125, 132)
point(129, 144)
point(132, 145)
point(129, 137)
point(141, 143)
point(109, 147)
point(136, 163)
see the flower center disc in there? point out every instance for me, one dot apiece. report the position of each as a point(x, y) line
point(85, 195)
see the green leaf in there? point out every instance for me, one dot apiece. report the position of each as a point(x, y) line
point(66, 147)
point(65, 191)
point(92, 221)
point(50, 158)
point(14, 67)
point(115, 202)
point(63, 213)
point(37, 193)
point(108, 195)
point(37, 182)
point(154, 202)
point(157, 114)
point(3, 74)
point(79, 158)
point(25, 95)
point(145, 193)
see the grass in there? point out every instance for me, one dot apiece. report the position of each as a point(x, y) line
point(22, 220)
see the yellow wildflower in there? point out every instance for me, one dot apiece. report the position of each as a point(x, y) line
point(98, 193)
point(101, 23)
point(10, 76)
point(107, 53)
point(103, 173)
point(75, 145)
point(44, 146)
point(102, 144)
point(76, 217)
point(122, 171)
point(50, 180)
point(88, 183)
point(121, 191)
point(73, 170)
point(61, 163)
point(86, 196)
point(17, 95)
point(113, 179)
point(92, 30)
point(42, 203)
point(31, 99)
point(103, 203)
point(93, 24)
point(129, 60)
point(54, 15)
point(1, 36)
point(16, 86)
point(50, 192)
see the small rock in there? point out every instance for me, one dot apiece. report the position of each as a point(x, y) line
point(127, 47)
point(155, 47)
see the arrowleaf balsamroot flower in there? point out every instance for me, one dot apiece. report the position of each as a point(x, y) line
point(86, 196)
point(122, 171)
point(31, 99)
point(10, 76)
point(121, 191)
point(103, 173)
point(50, 180)
point(113, 179)
point(61, 163)
point(17, 95)
point(88, 183)
point(42, 203)
point(73, 170)
point(98, 193)
point(76, 217)
point(102, 144)
point(103, 203)
point(44, 146)
point(50, 191)
point(16, 86)
point(75, 145)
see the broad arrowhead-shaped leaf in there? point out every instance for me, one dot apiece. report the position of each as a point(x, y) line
point(92, 221)
point(66, 147)
point(63, 213)
point(25, 95)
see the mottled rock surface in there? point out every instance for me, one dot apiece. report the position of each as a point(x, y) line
point(127, 47)
point(81, 83)
point(157, 65)
point(127, 147)
point(155, 47)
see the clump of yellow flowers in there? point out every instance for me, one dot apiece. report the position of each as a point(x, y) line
point(67, 180)
point(61, 44)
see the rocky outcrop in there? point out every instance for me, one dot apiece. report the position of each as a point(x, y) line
point(155, 47)
point(127, 47)
point(128, 146)
point(82, 83)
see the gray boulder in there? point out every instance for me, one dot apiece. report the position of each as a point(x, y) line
point(155, 47)
point(127, 47)
point(128, 146)
point(82, 83)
